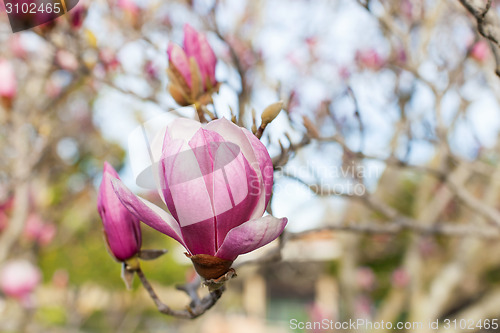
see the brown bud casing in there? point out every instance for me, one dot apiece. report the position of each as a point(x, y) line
point(271, 112)
point(209, 267)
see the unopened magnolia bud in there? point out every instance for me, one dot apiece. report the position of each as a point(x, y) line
point(271, 112)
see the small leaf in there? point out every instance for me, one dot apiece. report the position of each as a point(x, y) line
point(151, 254)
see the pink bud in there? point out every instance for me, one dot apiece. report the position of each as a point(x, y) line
point(8, 81)
point(195, 46)
point(121, 228)
point(480, 51)
point(19, 278)
point(226, 173)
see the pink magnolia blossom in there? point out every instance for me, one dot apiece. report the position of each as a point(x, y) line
point(195, 46)
point(216, 182)
point(480, 51)
point(19, 278)
point(8, 81)
point(122, 229)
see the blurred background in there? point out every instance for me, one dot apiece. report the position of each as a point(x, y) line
point(386, 162)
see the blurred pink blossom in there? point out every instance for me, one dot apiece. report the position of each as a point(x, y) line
point(16, 46)
point(128, 6)
point(108, 59)
point(77, 16)
point(365, 278)
point(66, 60)
point(480, 51)
point(400, 278)
point(18, 279)
point(151, 70)
point(38, 230)
point(8, 81)
point(370, 59)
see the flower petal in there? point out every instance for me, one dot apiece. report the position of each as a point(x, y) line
point(178, 58)
point(265, 163)
point(250, 236)
point(256, 154)
point(147, 212)
point(187, 197)
point(208, 60)
point(236, 189)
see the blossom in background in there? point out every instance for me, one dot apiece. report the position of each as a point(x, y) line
point(8, 82)
point(400, 278)
point(365, 278)
point(38, 230)
point(480, 51)
point(191, 68)
point(122, 229)
point(369, 59)
point(66, 60)
point(216, 181)
point(17, 46)
point(77, 16)
point(18, 279)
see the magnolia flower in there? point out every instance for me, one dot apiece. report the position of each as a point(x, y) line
point(216, 182)
point(191, 68)
point(8, 83)
point(19, 278)
point(122, 229)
